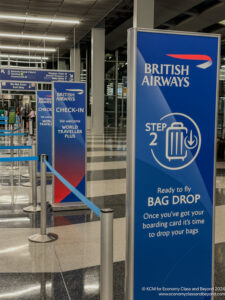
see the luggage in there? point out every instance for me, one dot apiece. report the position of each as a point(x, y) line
point(175, 135)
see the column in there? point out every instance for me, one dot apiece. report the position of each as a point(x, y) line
point(75, 62)
point(62, 65)
point(143, 13)
point(97, 79)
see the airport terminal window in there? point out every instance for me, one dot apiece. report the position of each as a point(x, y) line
point(115, 94)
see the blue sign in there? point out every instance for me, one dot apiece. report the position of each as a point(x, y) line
point(44, 124)
point(172, 173)
point(18, 86)
point(124, 80)
point(69, 133)
point(35, 75)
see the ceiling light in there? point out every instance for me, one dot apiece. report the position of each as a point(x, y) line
point(23, 56)
point(23, 61)
point(30, 36)
point(222, 22)
point(28, 48)
point(5, 220)
point(45, 20)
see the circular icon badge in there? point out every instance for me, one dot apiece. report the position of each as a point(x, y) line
point(175, 141)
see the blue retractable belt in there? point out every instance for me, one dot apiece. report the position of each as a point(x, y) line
point(15, 147)
point(91, 205)
point(10, 134)
point(22, 158)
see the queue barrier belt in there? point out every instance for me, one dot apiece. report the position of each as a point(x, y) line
point(86, 201)
point(10, 134)
point(8, 130)
point(15, 147)
point(21, 158)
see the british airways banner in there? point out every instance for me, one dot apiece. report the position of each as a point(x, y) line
point(69, 133)
point(44, 124)
point(172, 100)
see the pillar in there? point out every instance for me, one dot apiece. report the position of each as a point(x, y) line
point(75, 62)
point(143, 13)
point(97, 79)
point(62, 65)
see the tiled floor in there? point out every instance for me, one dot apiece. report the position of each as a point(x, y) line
point(69, 267)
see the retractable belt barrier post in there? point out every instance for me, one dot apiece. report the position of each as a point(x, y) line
point(106, 217)
point(106, 268)
point(12, 167)
point(43, 236)
point(29, 173)
point(34, 207)
point(31, 132)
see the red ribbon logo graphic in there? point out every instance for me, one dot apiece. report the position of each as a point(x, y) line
point(206, 58)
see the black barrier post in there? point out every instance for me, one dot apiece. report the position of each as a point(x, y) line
point(43, 236)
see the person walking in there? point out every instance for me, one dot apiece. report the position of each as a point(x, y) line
point(32, 117)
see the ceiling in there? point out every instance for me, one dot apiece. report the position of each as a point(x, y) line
point(184, 15)
point(115, 15)
point(89, 12)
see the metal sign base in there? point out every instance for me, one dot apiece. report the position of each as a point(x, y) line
point(68, 206)
point(27, 184)
point(25, 175)
point(45, 238)
point(32, 209)
point(12, 168)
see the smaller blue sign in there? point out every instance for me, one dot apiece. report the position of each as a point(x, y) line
point(69, 115)
point(9, 74)
point(18, 86)
point(44, 124)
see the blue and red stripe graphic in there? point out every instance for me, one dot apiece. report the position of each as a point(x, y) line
point(200, 57)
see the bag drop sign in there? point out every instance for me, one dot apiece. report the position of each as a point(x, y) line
point(171, 149)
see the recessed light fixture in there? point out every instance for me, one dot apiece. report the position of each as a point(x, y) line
point(23, 56)
point(23, 61)
point(28, 48)
point(31, 36)
point(39, 19)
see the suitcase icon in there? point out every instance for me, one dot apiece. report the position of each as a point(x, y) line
point(175, 149)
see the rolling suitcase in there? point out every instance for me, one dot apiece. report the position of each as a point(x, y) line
point(175, 149)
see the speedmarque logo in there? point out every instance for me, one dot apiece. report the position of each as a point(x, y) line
point(206, 58)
